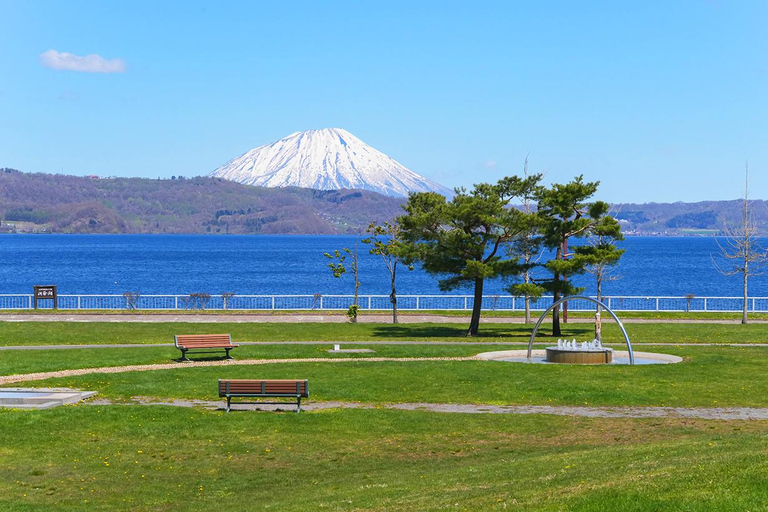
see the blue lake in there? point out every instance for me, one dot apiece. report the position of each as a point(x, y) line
point(181, 264)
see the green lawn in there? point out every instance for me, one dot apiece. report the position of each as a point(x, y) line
point(134, 457)
point(72, 333)
point(164, 458)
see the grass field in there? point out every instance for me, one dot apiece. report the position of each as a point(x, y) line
point(151, 457)
point(74, 333)
point(165, 458)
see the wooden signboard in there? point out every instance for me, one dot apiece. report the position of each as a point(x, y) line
point(46, 292)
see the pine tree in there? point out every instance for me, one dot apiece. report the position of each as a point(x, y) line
point(462, 240)
point(566, 213)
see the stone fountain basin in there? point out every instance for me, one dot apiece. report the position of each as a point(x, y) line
point(620, 357)
point(579, 356)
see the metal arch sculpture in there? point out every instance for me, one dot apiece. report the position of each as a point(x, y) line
point(590, 299)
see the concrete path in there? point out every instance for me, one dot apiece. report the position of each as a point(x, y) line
point(312, 317)
point(719, 413)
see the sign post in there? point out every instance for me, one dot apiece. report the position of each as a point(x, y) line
point(46, 292)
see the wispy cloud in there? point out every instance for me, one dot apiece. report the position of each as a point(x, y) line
point(491, 164)
point(92, 63)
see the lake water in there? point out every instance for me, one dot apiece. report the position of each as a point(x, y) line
point(181, 264)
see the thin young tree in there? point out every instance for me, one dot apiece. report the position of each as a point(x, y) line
point(602, 256)
point(741, 249)
point(386, 241)
point(527, 248)
point(338, 268)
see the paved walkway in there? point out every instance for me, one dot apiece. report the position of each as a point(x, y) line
point(315, 317)
point(718, 413)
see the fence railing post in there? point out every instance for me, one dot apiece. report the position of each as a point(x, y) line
point(657, 304)
point(273, 303)
point(78, 302)
point(705, 303)
point(417, 302)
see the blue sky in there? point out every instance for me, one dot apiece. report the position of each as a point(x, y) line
point(660, 101)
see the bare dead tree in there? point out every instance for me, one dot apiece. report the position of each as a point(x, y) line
point(199, 300)
point(604, 261)
point(741, 249)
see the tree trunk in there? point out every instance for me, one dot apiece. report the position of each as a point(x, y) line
point(527, 309)
point(563, 256)
point(393, 297)
point(744, 308)
point(556, 297)
point(357, 285)
point(474, 323)
point(598, 316)
point(598, 325)
point(527, 278)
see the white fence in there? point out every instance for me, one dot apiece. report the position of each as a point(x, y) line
point(320, 302)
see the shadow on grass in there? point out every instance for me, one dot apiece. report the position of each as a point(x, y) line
point(489, 331)
point(197, 359)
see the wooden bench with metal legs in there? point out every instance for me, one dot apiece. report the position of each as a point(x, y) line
point(252, 388)
point(204, 342)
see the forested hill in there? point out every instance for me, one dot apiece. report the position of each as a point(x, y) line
point(72, 204)
point(702, 218)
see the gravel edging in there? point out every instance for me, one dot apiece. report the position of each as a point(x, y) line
point(718, 413)
point(12, 379)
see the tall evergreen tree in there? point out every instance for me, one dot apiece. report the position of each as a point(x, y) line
point(462, 240)
point(566, 213)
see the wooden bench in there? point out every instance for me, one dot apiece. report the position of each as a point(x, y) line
point(204, 342)
point(250, 388)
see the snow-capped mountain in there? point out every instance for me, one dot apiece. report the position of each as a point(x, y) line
point(327, 159)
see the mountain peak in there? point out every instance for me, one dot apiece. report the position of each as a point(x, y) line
point(325, 159)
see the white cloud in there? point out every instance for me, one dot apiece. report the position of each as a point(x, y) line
point(490, 164)
point(92, 63)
